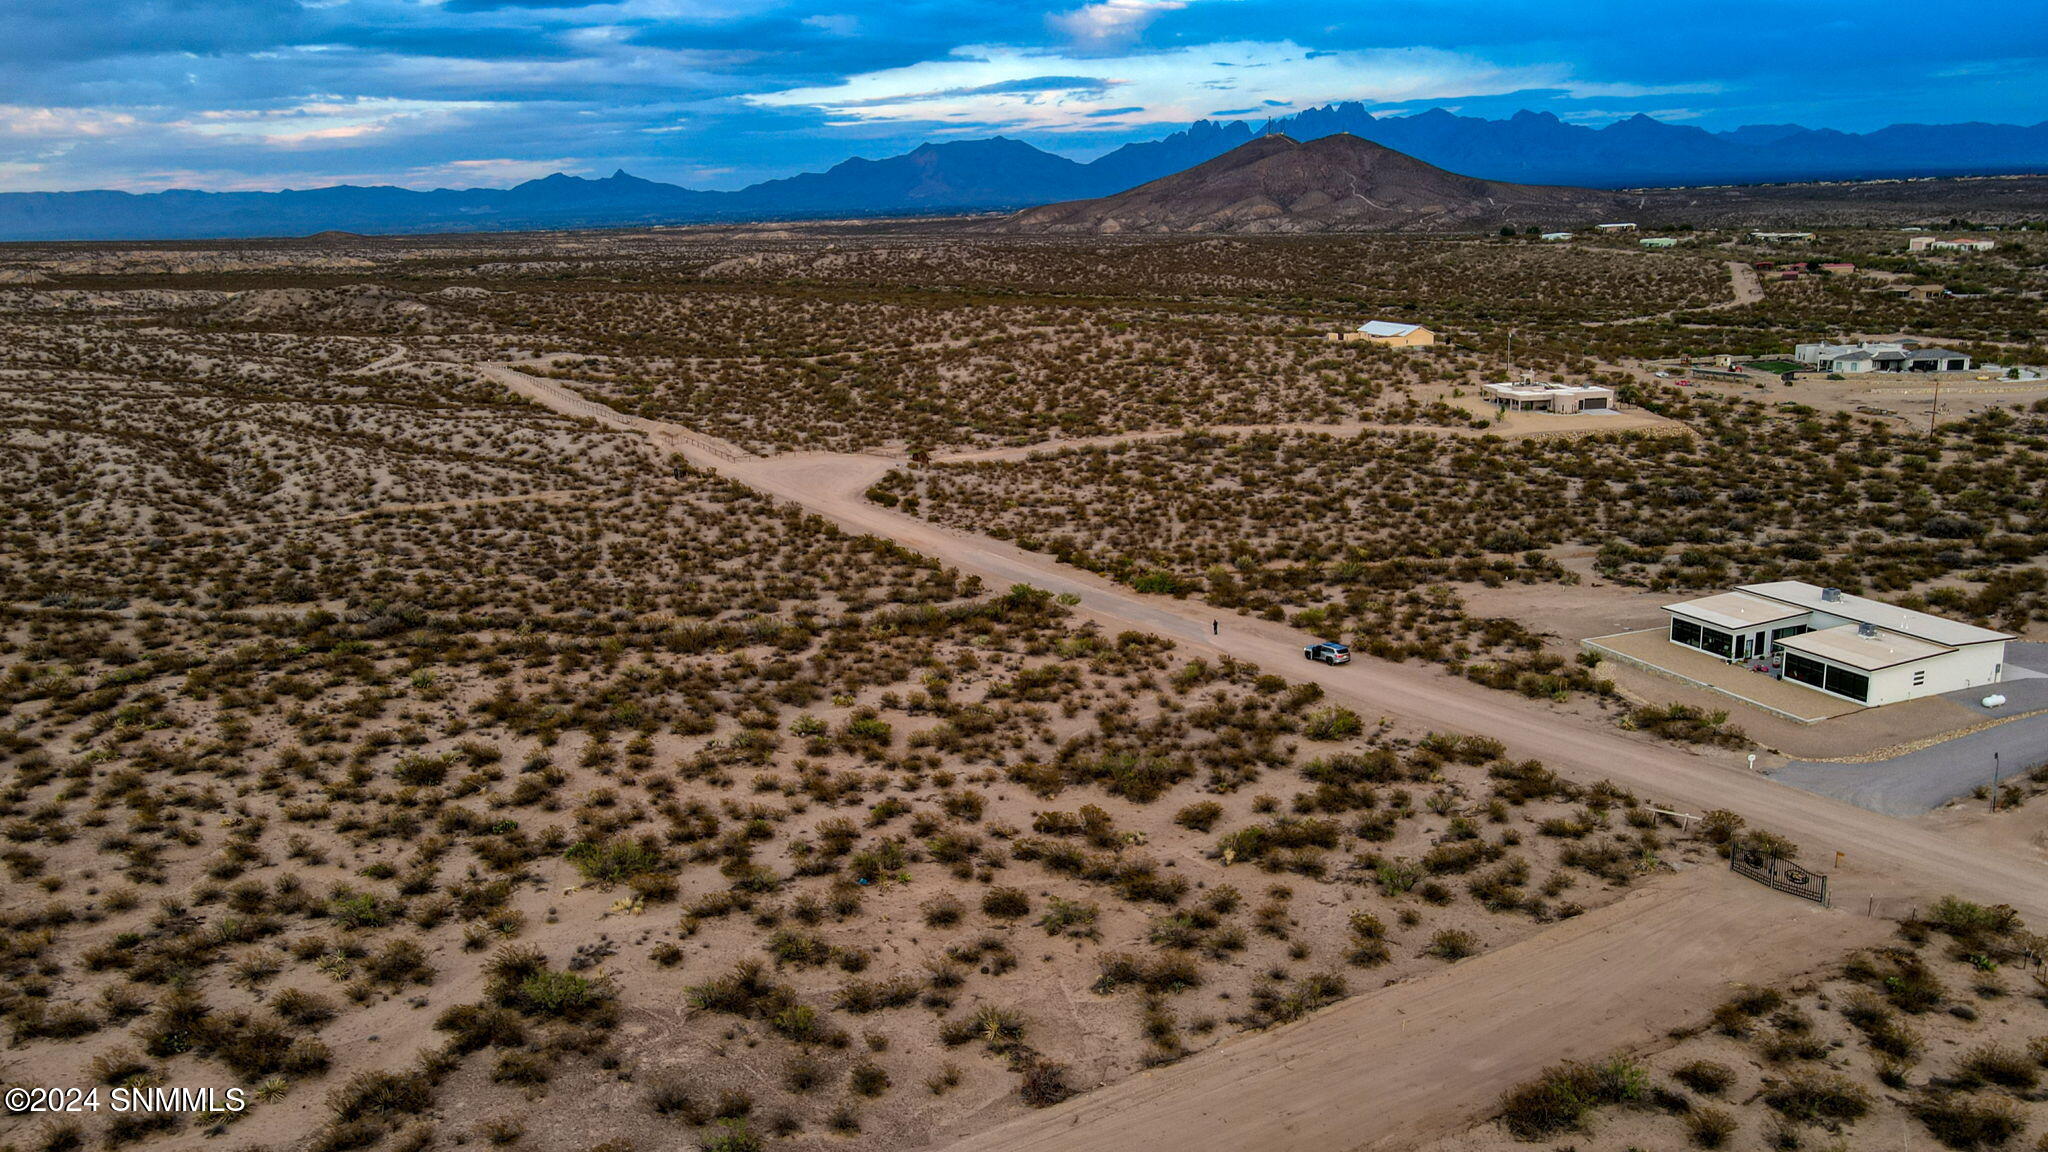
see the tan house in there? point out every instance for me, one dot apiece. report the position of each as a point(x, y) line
point(1956, 244)
point(1391, 334)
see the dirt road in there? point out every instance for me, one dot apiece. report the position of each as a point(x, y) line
point(1417, 1061)
point(1743, 287)
point(1397, 1067)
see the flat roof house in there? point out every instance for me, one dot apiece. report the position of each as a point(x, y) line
point(1957, 244)
point(1536, 396)
point(1659, 242)
point(1846, 646)
point(1780, 237)
point(1556, 236)
point(1879, 356)
point(1391, 333)
point(1623, 227)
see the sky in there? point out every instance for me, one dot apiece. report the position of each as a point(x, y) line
point(143, 95)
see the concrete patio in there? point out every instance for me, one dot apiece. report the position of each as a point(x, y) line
point(1651, 649)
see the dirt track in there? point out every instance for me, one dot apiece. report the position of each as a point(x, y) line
point(1743, 285)
point(1417, 1061)
point(1436, 1052)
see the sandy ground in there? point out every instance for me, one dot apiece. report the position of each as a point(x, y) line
point(1415, 1061)
point(1881, 866)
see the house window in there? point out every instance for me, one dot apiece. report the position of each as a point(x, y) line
point(1806, 670)
point(1685, 632)
point(1854, 685)
point(1718, 642)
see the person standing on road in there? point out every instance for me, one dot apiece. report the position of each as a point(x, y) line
point(1215, 627)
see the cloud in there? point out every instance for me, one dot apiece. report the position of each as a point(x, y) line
point(62, 123)
point(1055, 91)
point(327, 120)
point(1111, 21)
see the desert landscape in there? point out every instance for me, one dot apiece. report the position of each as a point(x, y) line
point(829, 687)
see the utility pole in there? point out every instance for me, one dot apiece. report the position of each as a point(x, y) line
point(1994, 781)
point(1935, 413)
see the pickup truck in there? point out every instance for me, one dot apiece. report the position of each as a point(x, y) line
point(1328, 652)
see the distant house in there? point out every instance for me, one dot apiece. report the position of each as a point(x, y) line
point(1391, 333)
point(1838, 268)
point(1536, 396)
point(1920, 293)
point(1615, 227)
point(1658, 242)
point(1879, 356)
point(1782, 237)
point(1956, 244)
point(1554, 236)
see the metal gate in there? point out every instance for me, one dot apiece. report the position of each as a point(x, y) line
point(1783, 875)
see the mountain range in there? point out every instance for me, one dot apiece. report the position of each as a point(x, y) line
point(1000, 174)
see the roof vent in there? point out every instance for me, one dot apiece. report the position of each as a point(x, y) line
point(1867, 630)
point(1831, 595)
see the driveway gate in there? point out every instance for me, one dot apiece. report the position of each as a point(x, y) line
point(1783, 875)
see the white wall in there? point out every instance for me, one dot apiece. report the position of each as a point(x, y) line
point(1974, 666)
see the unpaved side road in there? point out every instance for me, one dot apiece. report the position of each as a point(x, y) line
point(1743, 286)
point(1422, 1059)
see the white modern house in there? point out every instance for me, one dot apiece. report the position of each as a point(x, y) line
point(1879, 356)
point(1850, 647)
point(1539, 396)
point(1553, 237)
point(1623, 226)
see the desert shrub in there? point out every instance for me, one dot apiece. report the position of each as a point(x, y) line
point(868, 1078)
point(1044, 1083)
point(1709, 1127)
point(1704, 1077)
point(1995, 1064)
point(1452, 944)
point(1332, 724)
point(1963, 1122)
point(1687, 724)
point(1006, 903)
point(380, 1094)
point(1069, 918)
point(1560, 1099)
point(942, 911)
point(607, 862)
point(730, 1134)
point(1816, 1097)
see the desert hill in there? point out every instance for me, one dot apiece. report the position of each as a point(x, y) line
point(1333, 184)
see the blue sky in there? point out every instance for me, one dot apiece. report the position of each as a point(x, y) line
point(229, 94)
